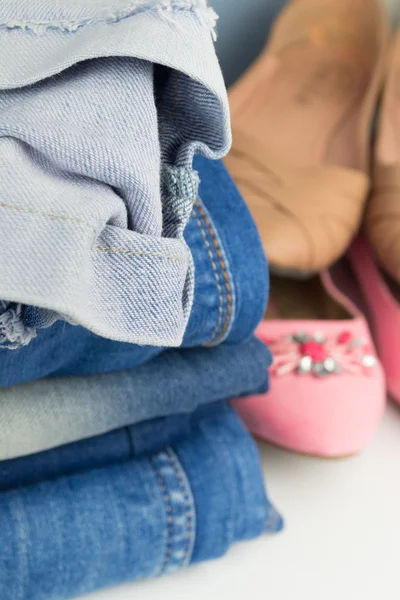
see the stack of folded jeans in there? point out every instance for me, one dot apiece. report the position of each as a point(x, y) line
point(130, 297)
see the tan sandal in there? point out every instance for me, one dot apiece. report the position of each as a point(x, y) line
point(382, 219)
point(301, 128)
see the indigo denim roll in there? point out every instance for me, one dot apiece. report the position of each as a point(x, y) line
point(146, 517)
point(231, 292)
point(103, 104)
point(52, 412)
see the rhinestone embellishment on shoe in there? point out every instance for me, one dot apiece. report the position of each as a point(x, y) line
point(321, 356)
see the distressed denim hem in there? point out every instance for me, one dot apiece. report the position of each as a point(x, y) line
point(106, 292)
point(180, 511)
point(13, 331)
point(38, 23)
point(94, 274)
point(178, 39)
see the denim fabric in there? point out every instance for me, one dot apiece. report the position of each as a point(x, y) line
point(102, 107)
point(52, 412)
point(135, 441)
point(231, 291)
point(146, 517)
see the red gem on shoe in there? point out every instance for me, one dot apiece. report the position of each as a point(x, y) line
point(345, 337)
point(314, 350)
point(304, 354)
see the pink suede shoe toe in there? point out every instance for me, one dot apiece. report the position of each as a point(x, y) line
point(327, 389)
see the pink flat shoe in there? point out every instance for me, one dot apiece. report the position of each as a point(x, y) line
point(382, 296)
point(327, 392)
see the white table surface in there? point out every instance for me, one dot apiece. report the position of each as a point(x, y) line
point(341, 542)
point(342, 535)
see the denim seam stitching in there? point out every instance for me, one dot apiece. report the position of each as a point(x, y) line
point(168, 509)
point(198, 8)
point(216, 277)
point(138, 253)
point(35, 211)
point(90, 226)
point(227, 283)
point(173, 460)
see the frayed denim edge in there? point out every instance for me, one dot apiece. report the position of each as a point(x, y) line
point(13, 331)
point(199, 8)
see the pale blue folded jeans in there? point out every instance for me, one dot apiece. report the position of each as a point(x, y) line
point(103, 104)
point(52, 412)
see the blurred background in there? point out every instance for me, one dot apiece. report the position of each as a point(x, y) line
point(242, 29)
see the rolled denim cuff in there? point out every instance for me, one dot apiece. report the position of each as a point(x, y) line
point(40, 39)
point(119, 284)
point(231, 290)
point(95, 192)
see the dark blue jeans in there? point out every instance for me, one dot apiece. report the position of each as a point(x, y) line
point(135, 518)
point(231, 291)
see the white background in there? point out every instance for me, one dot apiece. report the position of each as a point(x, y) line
point(341, 541)
point(342, 536)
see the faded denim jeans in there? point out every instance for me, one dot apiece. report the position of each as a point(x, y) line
point(52, 412)
point(136, 518)
point(142, 439)
point(231, 292)
point(103, 104)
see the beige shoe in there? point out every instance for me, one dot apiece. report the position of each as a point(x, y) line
point(382, 219)
point(301, 128)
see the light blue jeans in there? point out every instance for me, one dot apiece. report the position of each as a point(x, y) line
point(103, 104)
point(51, 412)
point(147, 517)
